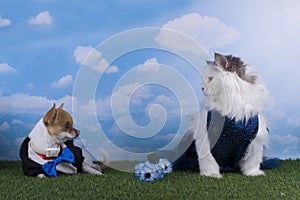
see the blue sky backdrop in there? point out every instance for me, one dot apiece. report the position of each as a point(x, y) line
point(44, 42)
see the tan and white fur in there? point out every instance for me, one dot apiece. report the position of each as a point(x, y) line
point(55, 128)
point(233, 89)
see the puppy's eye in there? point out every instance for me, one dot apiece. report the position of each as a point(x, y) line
point(67, 125)
point(210, 79)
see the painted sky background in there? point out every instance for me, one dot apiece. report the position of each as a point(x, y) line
point(44, 42)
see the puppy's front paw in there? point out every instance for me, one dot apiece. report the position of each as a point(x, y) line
point(97, 173)
point(90, 170)
point(254, 173)
point(211, 174)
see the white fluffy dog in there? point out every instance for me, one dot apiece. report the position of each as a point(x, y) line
point(230, 129)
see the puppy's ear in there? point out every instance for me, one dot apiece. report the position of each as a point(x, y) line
point(221, 60)
point(61, 106)
point(50, 116)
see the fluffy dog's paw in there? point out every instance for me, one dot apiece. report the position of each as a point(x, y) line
point(211, 174)
point(209, 167)
point(254, 173)
point(41, 176)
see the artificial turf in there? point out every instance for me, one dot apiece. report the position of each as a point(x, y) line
point(279, 183)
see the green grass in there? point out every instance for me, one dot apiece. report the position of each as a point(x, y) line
point(280, 183)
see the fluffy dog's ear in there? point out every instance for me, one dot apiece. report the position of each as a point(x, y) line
point(221, 60)
point(208, 62)
point(50, 115)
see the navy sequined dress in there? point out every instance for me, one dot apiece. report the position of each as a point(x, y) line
point(229, 143)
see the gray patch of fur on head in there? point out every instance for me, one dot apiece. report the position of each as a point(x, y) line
point(235, 90)
point(235, 64)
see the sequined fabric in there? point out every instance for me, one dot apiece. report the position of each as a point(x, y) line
point(234, 139)
point(228, 138)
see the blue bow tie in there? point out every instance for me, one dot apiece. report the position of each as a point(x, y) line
point(65, 156)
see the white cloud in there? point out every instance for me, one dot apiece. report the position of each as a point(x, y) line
point(63, 82)
point(112, 69)
point(40, 19)
point(286, 151)
point(18, 141)
point(167, 137)
point(103, 107)
point(128, 89)
point(158, 112)
point(133, 149)
point(140, 95)
point(17, 121)
point(149, 65)
point(162, 99)
point(208, 31)
point(133, 94)
point(4, 141)
point(20, 103)
point(87, 55)
point(4, 22)
point(89, 109)
point(4, 127)
point(90, 57)
point(286, 139)
point(121, 97)
point(294, 120)
point(143, 92)
point(5, 68)
point(85, 119)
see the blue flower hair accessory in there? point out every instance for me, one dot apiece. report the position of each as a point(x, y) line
point(150, 172)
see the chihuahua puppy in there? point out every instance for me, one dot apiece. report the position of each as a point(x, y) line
point(49, 140)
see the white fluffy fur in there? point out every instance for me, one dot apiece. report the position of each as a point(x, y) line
point(227, 93)
point(232, 96)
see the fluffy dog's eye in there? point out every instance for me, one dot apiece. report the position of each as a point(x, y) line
point(210, 79)
point(67, 125)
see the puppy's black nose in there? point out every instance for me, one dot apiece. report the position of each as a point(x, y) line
point(77, 132)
